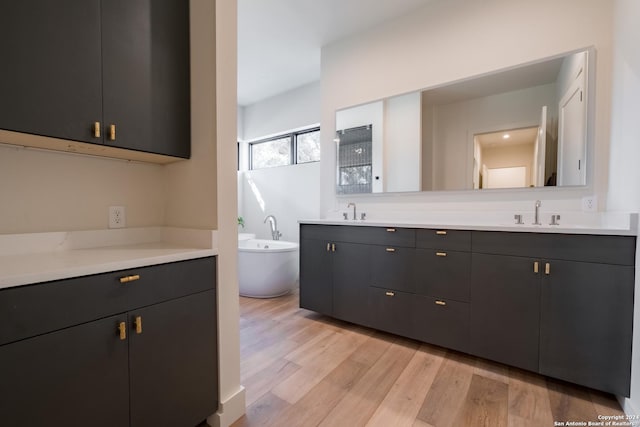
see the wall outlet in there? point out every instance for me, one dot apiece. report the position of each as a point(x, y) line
point(589, 204)
point(117, 218)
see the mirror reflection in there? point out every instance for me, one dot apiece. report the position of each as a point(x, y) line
point(524, 127)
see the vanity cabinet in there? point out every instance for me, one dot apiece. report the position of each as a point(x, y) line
point(150, 361)
point(110, 72)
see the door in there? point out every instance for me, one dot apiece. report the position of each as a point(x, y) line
point(173, 362)
point(540, 150)
point(77, 376)
point(316, 276)
point(505, 309)
point(351, 278)
point(51, 68)
point(586, 324)
point(572, 147)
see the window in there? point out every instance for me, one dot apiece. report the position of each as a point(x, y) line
point(287, 149)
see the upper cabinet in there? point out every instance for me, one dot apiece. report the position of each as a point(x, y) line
point(108, 72)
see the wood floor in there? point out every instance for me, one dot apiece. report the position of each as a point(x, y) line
point(303, 369)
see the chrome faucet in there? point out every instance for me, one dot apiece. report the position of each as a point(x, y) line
point(273, 224)
point(354, 209)
point(536, 217)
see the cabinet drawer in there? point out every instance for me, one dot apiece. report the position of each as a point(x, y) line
point(618, 250)
point(393, 267)
point(35, 309)
point(445, 274)
point(441, 322)
point(391, 310)
point(455, 240)
point(360, 234)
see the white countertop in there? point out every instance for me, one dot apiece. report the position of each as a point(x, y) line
point(623, 224)
point(42, 257)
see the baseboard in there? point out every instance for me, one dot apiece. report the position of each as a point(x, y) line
point(628, 406)
point(229, 411)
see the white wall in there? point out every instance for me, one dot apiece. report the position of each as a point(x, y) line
point(451, 40)
point(624, 178)
point(288, 192)
point(403, 143)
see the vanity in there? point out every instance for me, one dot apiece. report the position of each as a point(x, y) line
point(551, 301)
point(108, 328)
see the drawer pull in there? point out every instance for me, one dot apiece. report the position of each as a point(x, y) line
point(389, 294)
point(441, 253)
point(138, 324)
point(441, 233)
point(112, 132)
point(536, 267)
point(96, 130)
point(391, 230)
point(122, 329)
point(328, 247)
point(333, 247)
point(391, 250)
point(547, 268)
point(438, 302)
point(128, 279)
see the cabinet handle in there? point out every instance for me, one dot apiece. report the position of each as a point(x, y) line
point(328, 247)
point(547, 268)
point(391, 230)
point(391, 250)
point(138, 324)
point(536, 267)
point(389, 294)
point(441, 233)
point(439, 302)
point(333, 247)
point(96, 130)
point(128, 279)
point(122, 329)
point(441, 254)
point(112, 132)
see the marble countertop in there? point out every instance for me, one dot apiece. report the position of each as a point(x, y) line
point(42, 257)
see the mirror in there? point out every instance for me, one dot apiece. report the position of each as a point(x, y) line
point(523, 127)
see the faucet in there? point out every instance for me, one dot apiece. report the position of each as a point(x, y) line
point(273, 224)
point(536, 217)
point(354, 209)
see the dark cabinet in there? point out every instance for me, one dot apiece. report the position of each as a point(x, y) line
point(316, 272)
point(151, 361)
point(445, 274)
point(586, 324)
point(505, 309)
point(391, 311)
point(111, 71)
point(393, 267)
point(441, 322)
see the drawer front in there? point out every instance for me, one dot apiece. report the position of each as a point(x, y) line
point(391, 310)
point(441, 322)
point(35, 309)
point(445, 274)
point(619, 250)
point(393, 267)
point(454, 240)
point(360, 234)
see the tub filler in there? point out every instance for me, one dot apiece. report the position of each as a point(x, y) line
point(266, 268)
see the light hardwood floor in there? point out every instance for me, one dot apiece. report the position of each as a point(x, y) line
point(304, 369)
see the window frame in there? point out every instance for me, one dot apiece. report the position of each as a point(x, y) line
point(293, 152)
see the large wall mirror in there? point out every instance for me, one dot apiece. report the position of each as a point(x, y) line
point(519, 128)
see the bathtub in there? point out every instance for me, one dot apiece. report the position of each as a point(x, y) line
point(266, 268)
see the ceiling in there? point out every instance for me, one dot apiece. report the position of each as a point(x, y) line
point(279, 41)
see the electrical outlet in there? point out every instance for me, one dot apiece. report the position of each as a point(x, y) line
point(589, 204)
point(117, 218)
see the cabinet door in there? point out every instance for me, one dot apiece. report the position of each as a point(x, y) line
point(145, 55)
point(173, 362)
point(50, 80)
point(391, 311)
point(393, 267)
point(586, 324)
point(316, 271)
point(77, 376)
point(351, 277)
point(505, 309)
point(443, 274)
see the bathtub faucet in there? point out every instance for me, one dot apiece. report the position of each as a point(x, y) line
point(273, 224)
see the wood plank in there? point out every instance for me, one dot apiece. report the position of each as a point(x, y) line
point(261, 412)
point(264, 380)
point(528, 399)
point(485, 404)
point(492, 370)
point(570, 402)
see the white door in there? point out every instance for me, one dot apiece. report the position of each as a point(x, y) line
point(540, 150)
point(515, 177)
point(571, 136)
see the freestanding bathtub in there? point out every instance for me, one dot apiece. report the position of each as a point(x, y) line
point(266, 268)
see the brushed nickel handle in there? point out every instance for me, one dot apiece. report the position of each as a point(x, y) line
point(391, 230)
point(112, 132)
point(441, 254)
point(439, 302)
point(138, 324)
point(547, 268)
point(536, 267)
point(391, 249)
point(96, 130)
point(441, 233)
point(122, 330)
